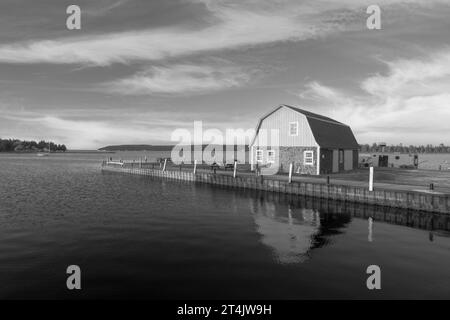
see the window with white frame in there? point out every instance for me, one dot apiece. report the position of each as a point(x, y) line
point(259, 155)
point(271, 156)
point(293, 128)
point(308, 158)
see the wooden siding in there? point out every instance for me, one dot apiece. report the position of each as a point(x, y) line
point(348, 160)
point(280, 120)
point(335, 161)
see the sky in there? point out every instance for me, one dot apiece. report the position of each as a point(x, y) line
point(137, 69)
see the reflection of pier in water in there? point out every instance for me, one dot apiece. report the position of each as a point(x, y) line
point(292, 226)
point(330, 209)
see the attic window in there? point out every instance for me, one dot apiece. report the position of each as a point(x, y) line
point(293, 128)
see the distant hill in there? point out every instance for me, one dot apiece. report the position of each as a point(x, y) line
point(137, 147)
point(145, 147)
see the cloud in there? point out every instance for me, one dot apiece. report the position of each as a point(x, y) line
point(315, 90)
point(231, 28)
point(103, 7)
point(83, 134)
point(410, 104)
point(233, 24)
point(180, 79)
point(409, 77)
point(146, 127)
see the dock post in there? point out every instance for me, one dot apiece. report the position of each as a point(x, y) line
point(195, 166)
point(165, 163)
point(235, 166)
point(371, 179)
point(290, 172)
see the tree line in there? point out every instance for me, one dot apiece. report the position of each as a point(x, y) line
point(15, 145)
point(429, 148)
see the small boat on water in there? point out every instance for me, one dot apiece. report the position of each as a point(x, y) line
point(44, 154)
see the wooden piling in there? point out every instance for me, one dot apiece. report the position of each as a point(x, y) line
point(291, 167)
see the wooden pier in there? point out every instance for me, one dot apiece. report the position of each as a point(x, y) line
point(421, 200)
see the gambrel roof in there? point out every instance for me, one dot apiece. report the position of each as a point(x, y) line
point(328, 133)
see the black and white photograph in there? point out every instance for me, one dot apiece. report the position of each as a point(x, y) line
point(203, 152)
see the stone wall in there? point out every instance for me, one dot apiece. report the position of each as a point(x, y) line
point(415, 200)
point(296, 155)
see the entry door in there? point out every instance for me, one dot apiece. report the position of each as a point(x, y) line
point(383, 161)
point(335, 161)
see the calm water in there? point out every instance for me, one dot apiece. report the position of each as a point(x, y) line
point(136, 237)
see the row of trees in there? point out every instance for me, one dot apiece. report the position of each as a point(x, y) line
point(366, 148)
point(11, 145)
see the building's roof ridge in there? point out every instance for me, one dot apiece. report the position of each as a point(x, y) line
point(322, 129)
point(316, 116)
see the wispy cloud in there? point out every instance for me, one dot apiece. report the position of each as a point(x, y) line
point(411, 77)
point(233, 24)
point(233, 28)
point(86, 134)
point(180, 79)
point(407, 102)
point(103, 7)
point(92, 132)
point(410, 104)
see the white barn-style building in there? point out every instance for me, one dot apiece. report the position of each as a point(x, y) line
point(314, 144)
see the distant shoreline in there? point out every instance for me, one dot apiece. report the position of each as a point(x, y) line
point(148, 147)
point(89, 151)
point(68, 151)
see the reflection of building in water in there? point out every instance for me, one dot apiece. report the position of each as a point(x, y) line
point(335, 214)
point(287, 231)
point(292, 226)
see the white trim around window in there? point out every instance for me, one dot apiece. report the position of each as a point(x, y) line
point(293, 128)
point(308, 158)
point(270, 156)
point(259, 155)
